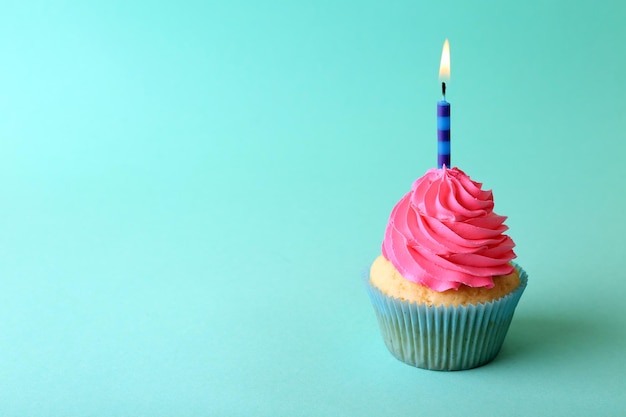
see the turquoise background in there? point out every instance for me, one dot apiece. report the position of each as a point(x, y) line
point(192, 190)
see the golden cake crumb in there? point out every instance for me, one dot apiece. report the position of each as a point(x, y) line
point(386, 278)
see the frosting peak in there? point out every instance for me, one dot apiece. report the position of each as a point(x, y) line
point(444, 233)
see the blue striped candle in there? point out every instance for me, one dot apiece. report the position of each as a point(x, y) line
point(443, 134)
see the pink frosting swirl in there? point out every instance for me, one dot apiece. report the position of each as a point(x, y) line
point(444, 233)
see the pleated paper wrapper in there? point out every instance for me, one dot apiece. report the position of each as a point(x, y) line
point(445, 338)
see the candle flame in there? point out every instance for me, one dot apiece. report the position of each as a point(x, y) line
point(444, 67)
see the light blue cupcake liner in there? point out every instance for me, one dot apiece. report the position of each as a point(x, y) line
point(445, 338)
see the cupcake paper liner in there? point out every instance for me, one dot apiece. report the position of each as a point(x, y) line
point(445, 338)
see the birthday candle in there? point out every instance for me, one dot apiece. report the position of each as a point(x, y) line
point(443, 111)
point(443, 133)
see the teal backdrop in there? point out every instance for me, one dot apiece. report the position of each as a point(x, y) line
point(191, 192)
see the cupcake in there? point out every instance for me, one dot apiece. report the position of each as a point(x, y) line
point(445, 288)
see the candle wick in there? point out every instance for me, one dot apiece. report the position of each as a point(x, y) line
point(443, 90)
